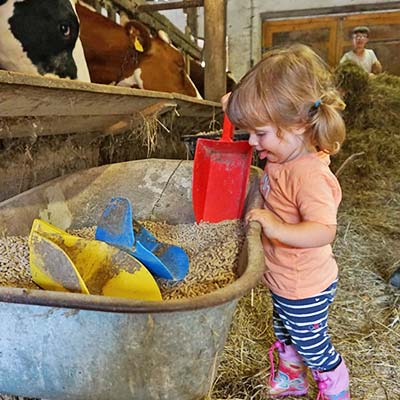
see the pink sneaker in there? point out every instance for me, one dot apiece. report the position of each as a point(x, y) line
point(333, 385)
point(291, 377)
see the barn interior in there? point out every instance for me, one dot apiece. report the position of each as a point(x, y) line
point(55, 129)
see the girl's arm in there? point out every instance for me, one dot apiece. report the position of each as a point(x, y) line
point(303, 234)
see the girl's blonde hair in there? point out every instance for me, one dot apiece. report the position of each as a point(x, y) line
point(291, 87)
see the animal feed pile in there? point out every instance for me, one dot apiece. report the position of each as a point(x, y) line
point(213, 251)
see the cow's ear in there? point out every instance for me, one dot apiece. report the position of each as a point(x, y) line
point(139, 36)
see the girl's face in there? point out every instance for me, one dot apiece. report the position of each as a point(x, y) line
point(289, 146)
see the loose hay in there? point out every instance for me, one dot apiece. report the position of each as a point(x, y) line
point(147, 133)
point(371, 103)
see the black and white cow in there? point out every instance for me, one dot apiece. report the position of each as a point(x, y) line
point(41, 37)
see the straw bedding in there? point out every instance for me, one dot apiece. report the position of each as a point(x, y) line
point(365, 317)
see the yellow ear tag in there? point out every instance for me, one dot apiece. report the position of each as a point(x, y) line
point(138, 45)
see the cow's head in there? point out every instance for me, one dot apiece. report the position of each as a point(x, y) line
point(41, 36)
point(161, 66)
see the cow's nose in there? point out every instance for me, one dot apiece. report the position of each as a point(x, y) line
point(62, 65)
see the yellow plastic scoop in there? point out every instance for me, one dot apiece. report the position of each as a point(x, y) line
point(64, 262)
point(44, 255)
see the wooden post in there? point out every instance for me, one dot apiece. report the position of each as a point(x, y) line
point(111, 12)
point(97, 5)
point(191, 18)
point(214, 49)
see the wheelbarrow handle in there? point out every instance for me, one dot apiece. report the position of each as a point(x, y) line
point(227, 130)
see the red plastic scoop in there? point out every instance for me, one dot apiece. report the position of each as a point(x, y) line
point(220, 174)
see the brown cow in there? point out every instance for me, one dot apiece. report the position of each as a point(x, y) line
point(131, 56)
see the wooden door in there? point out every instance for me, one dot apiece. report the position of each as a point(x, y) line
point(318, 33)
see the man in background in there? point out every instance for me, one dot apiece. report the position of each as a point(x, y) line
point(361, 56)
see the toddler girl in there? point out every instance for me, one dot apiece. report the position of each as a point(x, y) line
point(291, 109)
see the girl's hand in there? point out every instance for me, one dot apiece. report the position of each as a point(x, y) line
point(270, 224)
point(305, 234)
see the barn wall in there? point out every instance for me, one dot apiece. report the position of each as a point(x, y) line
point(177, 17)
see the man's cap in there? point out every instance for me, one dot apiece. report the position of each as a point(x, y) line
point(361, 29)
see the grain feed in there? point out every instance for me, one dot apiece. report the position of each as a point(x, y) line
point(213, 251)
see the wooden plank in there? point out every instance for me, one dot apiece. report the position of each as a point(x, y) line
point(339, 40)
point(63, 97)
point(172, 5)
point(332, 44)
point(35, 105)
point(47, 96)
point(105, 124)
point(385, 18)
point(45, 125)
point(215, 49)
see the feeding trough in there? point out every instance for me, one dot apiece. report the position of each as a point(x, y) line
point(57, 345)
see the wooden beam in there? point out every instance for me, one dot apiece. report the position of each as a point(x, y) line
point(172, 5)
point(191, 21)
point(215, 49)
point(37, 106)
point(355, 8)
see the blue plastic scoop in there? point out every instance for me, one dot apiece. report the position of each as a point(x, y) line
point(117, 227)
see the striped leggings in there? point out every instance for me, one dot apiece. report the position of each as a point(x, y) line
point(304, 323)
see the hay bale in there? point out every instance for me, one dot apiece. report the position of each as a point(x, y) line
point(370, 183)
point(370, 102)
point(351, 77)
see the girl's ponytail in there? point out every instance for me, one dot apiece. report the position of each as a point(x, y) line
point(326, 126)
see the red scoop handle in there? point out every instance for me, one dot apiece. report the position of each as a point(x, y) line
point(227, 130)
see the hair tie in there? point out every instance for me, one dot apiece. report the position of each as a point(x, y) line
point(314, 108)
point(317, 103)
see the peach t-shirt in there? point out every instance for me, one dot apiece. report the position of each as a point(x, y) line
point(303, 189)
